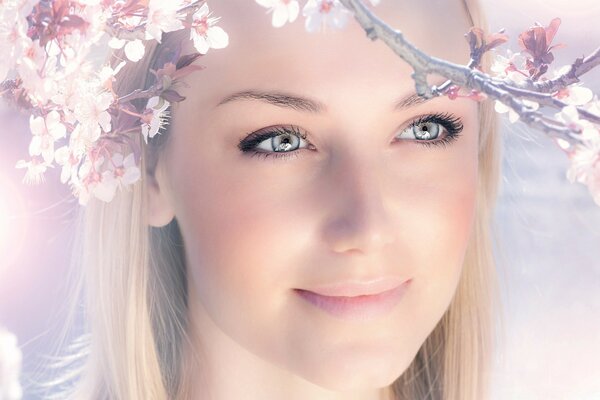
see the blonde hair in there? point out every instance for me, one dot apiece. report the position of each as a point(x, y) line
point(133, 283)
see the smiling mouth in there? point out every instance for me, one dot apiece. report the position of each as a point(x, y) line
point(359, 307)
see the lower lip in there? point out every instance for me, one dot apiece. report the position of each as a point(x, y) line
point(359, 307)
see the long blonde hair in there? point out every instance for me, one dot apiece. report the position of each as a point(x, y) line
point(133, 285)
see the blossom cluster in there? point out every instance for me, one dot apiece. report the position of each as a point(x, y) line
point(75, 116)
point(532, 63)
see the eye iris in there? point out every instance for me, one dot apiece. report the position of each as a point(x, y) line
point(427, 130)
point(282, 142)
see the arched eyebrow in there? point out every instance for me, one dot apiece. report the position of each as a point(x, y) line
point(305, 104)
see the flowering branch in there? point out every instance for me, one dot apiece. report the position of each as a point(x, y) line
point(48, 44)
point(520, 92)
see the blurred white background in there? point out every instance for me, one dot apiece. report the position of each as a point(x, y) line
point(549, 231)
point(550, 235)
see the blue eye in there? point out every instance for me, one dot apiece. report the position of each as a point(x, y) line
point(426, 130)
point(286, 142)
point(274, 140)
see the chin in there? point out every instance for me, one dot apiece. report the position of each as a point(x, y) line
point(357, 376)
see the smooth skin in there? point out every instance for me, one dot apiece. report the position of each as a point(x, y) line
point(361, 202)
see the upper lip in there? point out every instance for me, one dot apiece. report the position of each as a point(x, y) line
point(352, 288)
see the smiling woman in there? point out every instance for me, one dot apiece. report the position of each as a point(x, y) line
point(307, 227)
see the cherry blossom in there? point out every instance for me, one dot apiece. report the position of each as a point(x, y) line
point(509, 65)
point(585, 163)
point(570, 117)
point(11, 359)
point(45, 132)
point(283, 10)
point(156, 117)
point(204, 34)
point(66, 157)
point(92, 111)
point(163, 17)
point(134, 49)
point(124, 170)
point(322, 13)
point(95, 183)
point(575, 95)
point(13, 35)
point(36, 167)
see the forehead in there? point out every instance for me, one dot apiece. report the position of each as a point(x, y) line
point(260, 56)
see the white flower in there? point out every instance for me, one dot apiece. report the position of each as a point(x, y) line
point(134, 50)
point(163, 17)
point(69, 161)
point(283, 10)
point(508, 66)
point(322, 13)
point(45, 133)
point(107, 75)
point(101, 185)
point(575, 95)
point(36, 168)
point(204, 34)
point(92, 112)
point(13, 36)
point(124, 170)
point(512, 115)
point(570, 117)
point(375, 2)
point(157, 117)
point(585, 163)
point(10, 366)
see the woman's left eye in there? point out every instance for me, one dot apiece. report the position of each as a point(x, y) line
point(426, 130)
point(284, 142)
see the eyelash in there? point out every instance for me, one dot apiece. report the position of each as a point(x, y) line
point(451, 124)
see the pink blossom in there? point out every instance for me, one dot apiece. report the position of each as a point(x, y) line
point(36, 167)
point(45, 132)
point(570, 117)
point(323, 13)
point(157, 117)
point(68, 160)
point(163, 17)
point(585, 163)
point(283, 10)
point(204, 34)
point(134, 49)
point(509, 66)
point(124, 170)
point(574, 94)
point(94, 182)
point(91, 111)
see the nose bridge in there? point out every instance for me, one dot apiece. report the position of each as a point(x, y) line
point(359, 221)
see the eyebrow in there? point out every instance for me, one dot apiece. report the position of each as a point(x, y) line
point(288, 100)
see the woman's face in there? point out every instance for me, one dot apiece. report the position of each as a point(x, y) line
point(357, 199)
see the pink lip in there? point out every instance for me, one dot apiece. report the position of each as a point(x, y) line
point(357, 307)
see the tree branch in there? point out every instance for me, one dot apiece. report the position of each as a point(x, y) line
point(506, 91)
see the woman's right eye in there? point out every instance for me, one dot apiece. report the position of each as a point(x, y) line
point(274, 140)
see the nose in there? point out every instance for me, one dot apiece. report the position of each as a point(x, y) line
point(359, 222)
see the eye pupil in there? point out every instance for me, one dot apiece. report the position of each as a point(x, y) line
point(427, 130)
point(284, 142)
